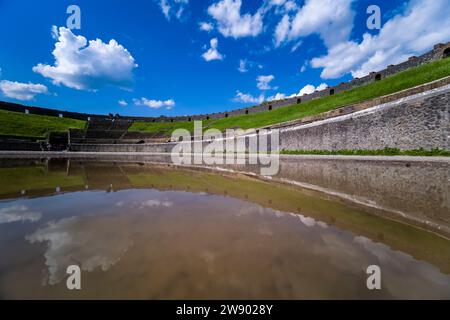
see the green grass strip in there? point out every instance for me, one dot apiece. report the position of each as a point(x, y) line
point(31, 125)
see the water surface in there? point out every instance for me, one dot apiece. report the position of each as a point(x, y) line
point(155, 232)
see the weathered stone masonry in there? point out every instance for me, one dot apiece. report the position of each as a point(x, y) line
point(422, 122)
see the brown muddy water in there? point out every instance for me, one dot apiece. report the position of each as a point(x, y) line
point(152, 231)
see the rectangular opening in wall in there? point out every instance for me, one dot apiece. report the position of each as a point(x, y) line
point(446, 53)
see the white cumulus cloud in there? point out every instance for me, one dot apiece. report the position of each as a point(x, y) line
point(263, 82)
point(309, 88)
point(321, 87)
point(213, 53)
point(248, 98)
point(84, 65)
point(154, 104)
point(283, 6)
point(206, 26)
point(21, 91)
point(331, 19)
point(282, 30)
point(278, 96)
point(230, 21)
point(173, 8)
point(123, 103)
point(412, 32)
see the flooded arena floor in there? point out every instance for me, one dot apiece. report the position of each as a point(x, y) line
point(155, 231)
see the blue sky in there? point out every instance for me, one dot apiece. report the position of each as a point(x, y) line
point(177, 57)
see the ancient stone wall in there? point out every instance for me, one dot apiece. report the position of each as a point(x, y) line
point(420, 121)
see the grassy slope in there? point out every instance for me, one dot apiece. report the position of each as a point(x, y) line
point(20, 124)
point(404, 80)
